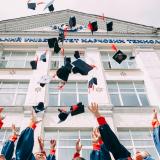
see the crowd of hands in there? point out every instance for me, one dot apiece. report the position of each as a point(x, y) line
point(41, 155)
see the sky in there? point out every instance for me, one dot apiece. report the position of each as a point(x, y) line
point(146, 12)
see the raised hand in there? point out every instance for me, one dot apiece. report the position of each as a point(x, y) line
point(96, 136)
point(41, 143)
point(52, 144)
point(94, 109)
point(78, 146)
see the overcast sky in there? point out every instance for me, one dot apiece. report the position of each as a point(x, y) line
point(145, 12)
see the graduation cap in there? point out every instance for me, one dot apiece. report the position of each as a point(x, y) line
point(64, 71)
point(44, 80)
point(43, 57)
point(53, 43)
point(77, 109)
point(33, 64)
point(50, 6)
point(92, 82)
point(39, 107)
point(67, 60)
point(76, 54)
point(32, 6)
point(119, 56)
point(63, 114)
point(93, 26)
point(72, 21)
point(81, 67)
point(109, 26)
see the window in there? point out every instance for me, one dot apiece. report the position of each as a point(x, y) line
point(138, 140)
point(13, 93)
point(58, 60)
point(16, 59)
point(127, 93)
point(72, 93)
point(66, 140)
point(110, 63)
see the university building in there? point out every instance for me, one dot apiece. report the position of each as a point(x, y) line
point(126, 92)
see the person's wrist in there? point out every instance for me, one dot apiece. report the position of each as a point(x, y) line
point(97, 115)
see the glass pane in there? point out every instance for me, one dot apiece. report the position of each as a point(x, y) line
point(53, 87)
point(139, 84)
point(51, 134)
point(53, 100)
point(124, 135)
point(112, 86)
point(126, 142)
point(144, 100)
point(70, 87)
point(86, 153)
point(141, 134)
point(130, 100)
point(19, 64)
point(7, 99)
point(132, 65)
point(27, 65)
point(143, 143)
point(65, 153)
point(16, 54)
point(115, 99)
point(6, 54)
point(20, 99)
point(106, 65)
point(85, 134)
point(68, 99)
point(23, 85)
point(86, 142)
point(10, 64)
point(54, 64)
point(67, 143)
point(126, 85)
point(82, 87)
point(68, 135)
point(83, 98)
point(3, 64)
point(2, 134)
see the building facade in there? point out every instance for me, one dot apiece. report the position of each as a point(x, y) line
point(126, 92)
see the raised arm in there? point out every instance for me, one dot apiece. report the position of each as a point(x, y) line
point(52, 150)
point(1, 117)
point(78, 149)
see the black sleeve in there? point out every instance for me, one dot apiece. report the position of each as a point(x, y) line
point(156, 137)
point(112, 143)
point(8, 149)
point(51, 157)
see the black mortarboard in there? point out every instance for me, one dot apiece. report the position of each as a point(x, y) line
point(33, 64)
point(67, 60)
point(94, 26)
point(72, 21)
point(63, 114)
point(64, 71)
point(43, 57)
point(8, 149)
point(32, 6)
point(53, 43)
point(39, 107)
point(44, 80)
point(77, 109)
point(50, 6)
point(109, 26)
point(26, 139)
point(92, 81)
point(76, 54)
point(119, 56)
point(81, 67)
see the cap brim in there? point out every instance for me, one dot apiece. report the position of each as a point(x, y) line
point(48, 4)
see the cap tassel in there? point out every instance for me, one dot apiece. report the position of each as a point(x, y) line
point(40, 3)
point(114, 47)
point(36, 59)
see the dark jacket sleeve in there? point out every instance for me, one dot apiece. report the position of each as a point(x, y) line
point(25, 144)
point(8, 149)
point(156, 137)
point(111, 141)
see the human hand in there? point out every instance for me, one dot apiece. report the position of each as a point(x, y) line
point(94, 109)
point(52, 144)
point(78, 146)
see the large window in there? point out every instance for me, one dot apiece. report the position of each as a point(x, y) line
point(66, 140)
point(72, 93)
point(13, 93)
point(16, 59)
point(110, 63)
point(127, 93)
point(138, 140)
point(58, 60)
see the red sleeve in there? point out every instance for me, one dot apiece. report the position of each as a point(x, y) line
point(76, 155)
point(13, 138)
point(52, 151)
point(155, 123)
point(101, 121)
point(97, 146)
point(33, 125)
point(1, 124)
